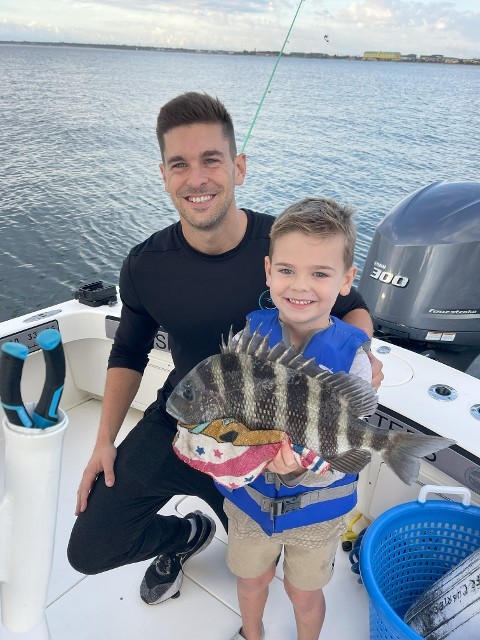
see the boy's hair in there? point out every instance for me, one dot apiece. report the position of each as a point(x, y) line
point(321, 217)
point(194, 108)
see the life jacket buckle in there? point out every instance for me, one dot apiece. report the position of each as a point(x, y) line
point(280, 506)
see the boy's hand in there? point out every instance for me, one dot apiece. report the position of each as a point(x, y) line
point(377, 366)
point(284, 462)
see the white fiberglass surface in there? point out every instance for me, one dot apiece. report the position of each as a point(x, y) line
point(108, 605)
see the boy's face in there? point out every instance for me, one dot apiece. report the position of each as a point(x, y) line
point(305, 276)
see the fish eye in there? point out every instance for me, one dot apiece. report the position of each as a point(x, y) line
point(187, 394)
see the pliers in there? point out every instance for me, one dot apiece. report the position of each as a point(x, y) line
point(45, 413)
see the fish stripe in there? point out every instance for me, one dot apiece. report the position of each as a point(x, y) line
point(265, 397)
point(328, 422)
point(311, 431)
point(297, 409)
point(355, 436)
point(217, 382)
point(208, 378)
point(280, 386)
point(232, 375)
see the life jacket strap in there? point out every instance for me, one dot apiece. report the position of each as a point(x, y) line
point(279, 506)
point(270, 477)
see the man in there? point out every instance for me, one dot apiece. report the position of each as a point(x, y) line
point(196, 279)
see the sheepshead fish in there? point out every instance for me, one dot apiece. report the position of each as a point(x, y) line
point(278, 388)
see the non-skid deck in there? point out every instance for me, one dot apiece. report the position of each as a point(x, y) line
point(108, 606)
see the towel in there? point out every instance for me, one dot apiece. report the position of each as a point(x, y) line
point(234, 455)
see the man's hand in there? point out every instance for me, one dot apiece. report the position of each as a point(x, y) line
point(102, 459)
point(284, 462)
point(377, 366)
point(120, 389)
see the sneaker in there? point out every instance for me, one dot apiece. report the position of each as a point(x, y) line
point(238, 635)
point(164, 576)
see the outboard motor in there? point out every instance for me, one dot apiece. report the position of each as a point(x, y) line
point(421, 279)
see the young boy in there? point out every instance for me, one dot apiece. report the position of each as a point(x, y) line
point(310, 263)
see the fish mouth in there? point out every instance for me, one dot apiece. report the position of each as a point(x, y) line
point(171, 410)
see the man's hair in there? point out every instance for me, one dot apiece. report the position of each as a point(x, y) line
point(321, 217)
point(194, 108)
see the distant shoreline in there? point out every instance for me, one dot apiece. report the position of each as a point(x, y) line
point(293, 54)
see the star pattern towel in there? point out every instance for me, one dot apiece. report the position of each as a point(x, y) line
point(235, 455)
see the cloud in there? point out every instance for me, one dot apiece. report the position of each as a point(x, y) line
point(397, 15)
point(387, 14)
point(185, 7)
point(404, 25)
point(29, 31)
point(409, 26)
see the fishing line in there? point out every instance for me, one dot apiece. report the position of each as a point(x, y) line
point(271, 77)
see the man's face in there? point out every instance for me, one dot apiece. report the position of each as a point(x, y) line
point(200, 174)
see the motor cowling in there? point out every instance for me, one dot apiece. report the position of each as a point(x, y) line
point(421, 276)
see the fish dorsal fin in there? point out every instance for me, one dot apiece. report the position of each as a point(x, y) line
point(225, 346)
point(256, 344)
point(246, 342)
point(359, 394)
point(361, 397)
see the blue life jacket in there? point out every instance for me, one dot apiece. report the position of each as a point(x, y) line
point(334, 347)
point(273, 505)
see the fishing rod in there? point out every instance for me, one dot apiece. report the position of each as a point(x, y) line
point(271, 77)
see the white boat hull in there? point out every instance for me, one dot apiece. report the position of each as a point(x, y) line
point(108, 605)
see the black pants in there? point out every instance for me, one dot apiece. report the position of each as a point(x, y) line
point(120, 524)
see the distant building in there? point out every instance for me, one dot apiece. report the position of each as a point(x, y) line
point(382, 55)
point(409, 57)
point(302, 54)
point(433, 58)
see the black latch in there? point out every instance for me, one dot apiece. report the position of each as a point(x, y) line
point(279, 506)
point(95, 294)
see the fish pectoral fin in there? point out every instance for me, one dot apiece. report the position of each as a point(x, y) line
point(351, 461)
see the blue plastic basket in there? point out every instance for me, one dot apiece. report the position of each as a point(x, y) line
point(408, 548)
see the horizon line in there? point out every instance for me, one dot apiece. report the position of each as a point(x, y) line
point(234, 52)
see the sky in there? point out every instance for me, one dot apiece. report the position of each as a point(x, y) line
point(424, 27)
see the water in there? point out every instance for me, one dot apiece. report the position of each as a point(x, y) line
point(79, 177)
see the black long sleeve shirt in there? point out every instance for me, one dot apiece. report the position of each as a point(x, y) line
point(195, 297)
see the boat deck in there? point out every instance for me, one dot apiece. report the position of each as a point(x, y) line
point(108, 605)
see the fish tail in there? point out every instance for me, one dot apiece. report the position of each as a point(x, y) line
point(404, 453)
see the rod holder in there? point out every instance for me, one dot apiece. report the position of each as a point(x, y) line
point(28, 514)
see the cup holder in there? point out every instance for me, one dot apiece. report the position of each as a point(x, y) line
point(442, 392)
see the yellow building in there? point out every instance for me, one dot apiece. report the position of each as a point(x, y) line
point(381, 55)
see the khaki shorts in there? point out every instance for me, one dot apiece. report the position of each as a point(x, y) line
point(306, 569)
